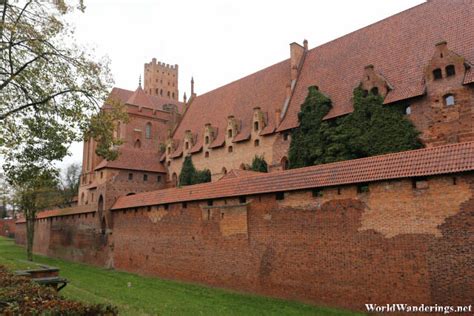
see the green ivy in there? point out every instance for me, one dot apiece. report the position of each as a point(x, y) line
point(371, 129)
point(259, 164)
point(189, 175)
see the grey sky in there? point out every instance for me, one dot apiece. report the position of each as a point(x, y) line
point(215, 41)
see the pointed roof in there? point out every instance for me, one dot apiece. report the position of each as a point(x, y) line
point(140, 98)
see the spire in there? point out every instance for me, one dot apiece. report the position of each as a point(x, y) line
point(184, 97)
point(192, 86)
point(140, 81)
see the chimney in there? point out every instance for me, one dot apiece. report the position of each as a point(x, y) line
point(296, 55)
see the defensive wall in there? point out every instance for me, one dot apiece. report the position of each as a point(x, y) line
point(397, 228)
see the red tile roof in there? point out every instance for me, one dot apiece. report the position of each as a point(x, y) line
point(140, 99)
point(83, 209)
point(422, 162)
point(399, 47)
point(134, 159)
point(469, 78)
point(265, 89)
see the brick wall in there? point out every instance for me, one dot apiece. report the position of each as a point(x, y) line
point(7, 227)
point(73, 237)
point(403, 241)
point(394, 243)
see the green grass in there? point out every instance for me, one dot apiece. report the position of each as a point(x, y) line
point(153, 296)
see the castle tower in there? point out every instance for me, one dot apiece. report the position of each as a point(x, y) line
point(161, 80)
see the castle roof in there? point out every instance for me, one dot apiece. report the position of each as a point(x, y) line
point(453, 158)
point(140, 99)
point(134, 159)
point(399, 47)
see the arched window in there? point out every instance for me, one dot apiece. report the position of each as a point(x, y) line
point(137, 144)
point(168, 94)
point(186, 145)
point(230, 149)
point(173, 95)
point(284, 163)
point(437, 74)
point(156, 90)
point(148, 130)
point(450, 70)
point(375, 91)
point(242, 166)
point(207, 140)
point(161, 92)
point(255, 126)
point(206, 154)
point(256, 143)
point(449, 100)
point(230, 133)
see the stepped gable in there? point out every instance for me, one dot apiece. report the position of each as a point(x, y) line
point(140, 99)
point(265, 89)
point(446, 159)
point(398, 47)
point(134, 159)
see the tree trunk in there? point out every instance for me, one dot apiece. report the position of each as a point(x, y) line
point(30, 234)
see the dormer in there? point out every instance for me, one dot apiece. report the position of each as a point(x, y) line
point(209, 135)
point(445, 65)
point(232, 127)
point(374, 82)
point(258, 120)
point(188, 142)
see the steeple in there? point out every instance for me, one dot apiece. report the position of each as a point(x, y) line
point(184, 97)
point(192, 86)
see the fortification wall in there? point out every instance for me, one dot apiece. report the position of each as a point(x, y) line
point(402, 241)
point(74, 237)
point(395, 243)
point(7, 227)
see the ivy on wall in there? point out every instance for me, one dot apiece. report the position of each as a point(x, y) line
point(371, 129)
point(190, 175)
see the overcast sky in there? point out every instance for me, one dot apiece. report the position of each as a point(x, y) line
point(216, 41)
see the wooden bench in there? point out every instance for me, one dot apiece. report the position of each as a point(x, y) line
point(47, 276)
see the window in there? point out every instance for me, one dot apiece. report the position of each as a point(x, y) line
point(242, 199)
point(101, 174)
point(450, 70)
point(437, 74)
point(169, 150)
point(365, 93)
point(206, 140)
point(256, 143)
point(420, 183)
point(230, 133)
point(158, 179)
point(137, 144)
point(165, 206)
point(184, 205)
point(363, 188)
point(161, 92)
point(280, 196)
point(145, 177)
point(210, 202)
point(408, 110)
point(130, 176)
point(224, 170)
point(173, 95)
point(168, 93)
point(284, 163)
point(375, 91)
point(449, 100)
point(169, 163)
point(186, 145)
point(206, 154)
point(148, 130)
point(255, 126)
point(230, 149)
point(317, 192)
point(156, 90)
point(286, 136)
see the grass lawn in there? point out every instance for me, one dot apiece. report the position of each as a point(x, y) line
point(152, 296)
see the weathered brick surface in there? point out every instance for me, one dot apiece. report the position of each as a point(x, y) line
point(77, 238)
point(392, 244)
point(7, 227)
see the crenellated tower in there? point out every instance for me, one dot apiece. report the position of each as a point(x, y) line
point(161, 80)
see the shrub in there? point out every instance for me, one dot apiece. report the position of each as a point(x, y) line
point(259, 164)
point(189, 175)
